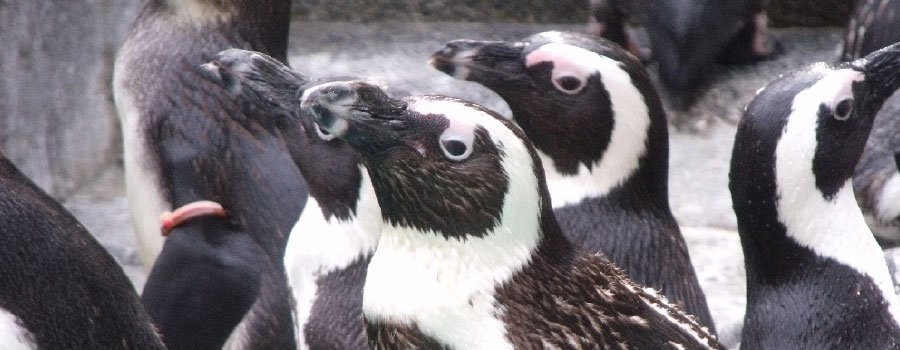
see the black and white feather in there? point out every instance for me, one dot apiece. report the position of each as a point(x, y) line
point(470, 254)
point(601, 132)
point(815, 276)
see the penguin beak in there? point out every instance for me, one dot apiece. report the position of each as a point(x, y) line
point(359, 112)
point(481, 61)
point(882, 76)
point(256, 78)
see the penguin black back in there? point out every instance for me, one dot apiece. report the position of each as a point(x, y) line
point(186, 140)
point(64, 290)
point(593, 114)
point(815, 276)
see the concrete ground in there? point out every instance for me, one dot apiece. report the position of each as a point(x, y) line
point(397, 54)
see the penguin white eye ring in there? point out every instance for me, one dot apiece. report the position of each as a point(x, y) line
point(569, 84)
point(456, 149)
point(843, 109)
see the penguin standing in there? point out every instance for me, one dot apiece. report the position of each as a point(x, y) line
point(688, 37)
point(816, 279)
point(189, 145)
point(59, 289)
point(601, 131)
point(470, 255)
point(330, 245)
point(877, 179)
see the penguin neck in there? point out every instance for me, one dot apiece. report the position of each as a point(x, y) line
point(447, 286)
point(832, 227)
point(637, 152)
point(321, 244)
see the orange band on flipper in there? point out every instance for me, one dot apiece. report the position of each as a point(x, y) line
point(172, 219)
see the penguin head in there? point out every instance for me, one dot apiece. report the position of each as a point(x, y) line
point(823, 116)
point(563, 88)
point(269, 93)
point(437, 164)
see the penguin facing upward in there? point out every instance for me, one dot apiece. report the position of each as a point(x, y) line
point(470, 255)
point(816, 279)
point(59, 289)
point(330, 245)
point(600, 129)
point(186, 140)
point(687, 37)
point(876, 181)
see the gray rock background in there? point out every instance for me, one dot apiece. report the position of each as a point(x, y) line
point(58, 124)
point(57, 120)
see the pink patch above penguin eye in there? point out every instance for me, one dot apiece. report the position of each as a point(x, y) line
point(568, 75)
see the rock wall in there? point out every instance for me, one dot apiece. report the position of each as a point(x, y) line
point(57, 121)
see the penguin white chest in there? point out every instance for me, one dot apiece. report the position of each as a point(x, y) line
point(142, 183)
point(318, 246)
point(12, 335)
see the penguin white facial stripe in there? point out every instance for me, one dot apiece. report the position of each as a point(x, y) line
point(628, 142)
point(453, 300)
point(143, 187)
point(842, 234)
point(12, 335)
point(318, 246)
point(888, 203)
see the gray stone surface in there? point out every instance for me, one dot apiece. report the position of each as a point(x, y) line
point(56, 117)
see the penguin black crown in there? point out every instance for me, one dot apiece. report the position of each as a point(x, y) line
point(471, 256)
point(816, 278)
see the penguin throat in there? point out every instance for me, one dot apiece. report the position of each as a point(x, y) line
point(446, 285)
point(318, 246)
point(831, 226)
point(596, 181)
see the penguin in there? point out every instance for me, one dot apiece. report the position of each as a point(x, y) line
point(600, 129)
point(873, 26)
point(470, 254)
point(59, 289)
point(186, 141)
point(688, 37)
point(816, 279)
point(876, 181)
point(329, 247)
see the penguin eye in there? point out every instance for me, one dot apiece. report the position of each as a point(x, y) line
point(455, 149)
point(843, 109)
point(568, 84)
point(324, 135)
